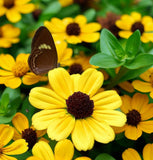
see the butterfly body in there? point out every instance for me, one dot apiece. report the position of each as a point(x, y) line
point(43, 53)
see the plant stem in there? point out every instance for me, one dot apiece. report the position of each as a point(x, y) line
point(114, 81)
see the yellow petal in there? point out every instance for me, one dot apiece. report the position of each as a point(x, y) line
point(82, 158)
point(27, 8)
point(125, 34)
point(3, 10)
point(64, 150)
point(73, 39)
point(146, 75)
point(5, 157)
point(10, 32)
point(90, 81)
point(112, 117)
point(43, 151)
point(146, 126)
point(142, 86)
point(139, 101)
point(147, 112)
point(33, 158)
point(6, 135)
point(60, 128)
point(44, 98)
point(91, 27)
point(65, 3)
point(7, 61)
point(132, 132)
point(18, 2)
point(125, 26)
point(75, 78)
point(130, 154)
point(147, 152)
point(66, 21)
point(13, 15)
point(126, 103)
point(146, 19)
point(90, 37)
point(4, 43)
point(13, 82)
point(127, 86)
point(101, 131)
point(20, 122)
point(42, 119)
point(136, 16)
point(61, 82)
point(82, 136)
point(80, 19)
point(107, 100)
point(17, 147)
point(17, 135)
point(5, 73)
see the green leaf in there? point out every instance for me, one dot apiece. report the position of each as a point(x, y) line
point(131, 74)
point(4, 100)
point(105, 61)
point(142, 60)
point(133, 44)
point(90, 14)
point(104, 156)
point(110, 45)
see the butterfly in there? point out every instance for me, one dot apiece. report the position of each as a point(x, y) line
point(43, 55)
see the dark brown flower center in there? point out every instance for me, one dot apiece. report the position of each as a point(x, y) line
point(139, 26)
point(8, 3)
point(133, 117)
point(80, 105)
point(30, 136)
point(73, 29)
point(1, 152)
point(75, 68)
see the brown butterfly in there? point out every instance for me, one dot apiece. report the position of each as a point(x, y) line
point(43, 52)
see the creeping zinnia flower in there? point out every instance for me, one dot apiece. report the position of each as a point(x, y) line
point(146, 85)
point(15, 148)
point(24, 131)
point(8, 35)
point(138, 113)
point(132, 154)
point(14, 72)
point(64, 150)
point(74, 107)
point(130, 23)
point(13, 9)
point(74, 30)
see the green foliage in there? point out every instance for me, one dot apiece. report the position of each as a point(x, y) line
point(104, 156)
point(9, 103)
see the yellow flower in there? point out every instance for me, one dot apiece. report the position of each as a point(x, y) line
point(138, 113)
point(74, 30)
point(130, 23)
point(15, 148)
point(8, 35)
point(22, 130)
point(13, 71)
point(132, 154)
point(64, 54)
point(146, 86)
point(74, 107)
point(64, 150)
point(79, 63)
point(13, 9)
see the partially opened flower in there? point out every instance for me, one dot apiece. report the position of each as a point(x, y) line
point(138, 113)
point(13, 9)
point(74, 107)
point(130, 23)
point(8, 35)
point(22, 130)
point(13, 73)
point(147, 84)
point(64, 150)
point(74, 30)
point(15, 148)
point(132, 154)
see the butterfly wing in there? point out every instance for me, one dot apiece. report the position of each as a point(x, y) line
point(43, 53)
